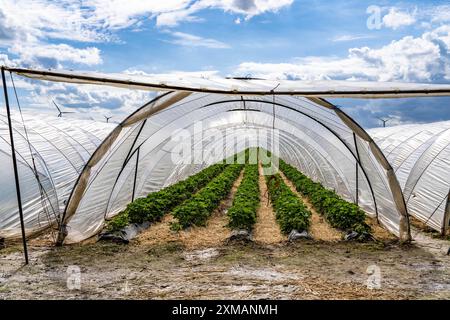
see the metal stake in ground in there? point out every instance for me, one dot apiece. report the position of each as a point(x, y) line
point(16, 174)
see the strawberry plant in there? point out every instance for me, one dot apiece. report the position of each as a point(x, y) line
point(242, 214)
point(197, 209)
point(157, 204)
point(339, 213)
point(290, 211)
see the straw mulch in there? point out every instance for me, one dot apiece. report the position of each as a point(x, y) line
point(266, 229)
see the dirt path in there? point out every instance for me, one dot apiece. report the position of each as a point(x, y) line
point(437, 247)
point(304, 270)
point(319, 228)
point(266, 229)
point(214, 234)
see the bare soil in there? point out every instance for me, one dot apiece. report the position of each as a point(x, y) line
point(170, 270)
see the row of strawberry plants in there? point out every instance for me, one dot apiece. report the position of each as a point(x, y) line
point(290, 211)
point(340, 213)
point(242, 214)
point(199, 207)
point(157, 204)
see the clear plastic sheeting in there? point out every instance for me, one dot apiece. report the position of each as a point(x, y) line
point(158, 145)
point(420, 156)
point(60, 148)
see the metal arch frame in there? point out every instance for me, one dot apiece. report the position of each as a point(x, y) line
point(120, 126)
point(259, 101)
point(111, 138)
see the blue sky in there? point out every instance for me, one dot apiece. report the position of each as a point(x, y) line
point(362, 40)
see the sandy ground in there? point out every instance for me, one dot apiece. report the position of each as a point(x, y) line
point(199, 264)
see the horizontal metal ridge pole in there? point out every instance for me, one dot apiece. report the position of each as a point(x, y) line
point(366, 93)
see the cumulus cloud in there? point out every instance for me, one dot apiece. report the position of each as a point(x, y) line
point(396, 19)
point(416, 59)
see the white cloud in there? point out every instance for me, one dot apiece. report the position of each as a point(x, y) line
point(94, 20)
point(89, 101)
point(247, 8)
point(181, 74)
point(30, 27)
point(421, 59)
point(396, 19)
point(87, 21)
point(5, 61)
point(52, 54)
point(438, 13)
point(190, 40)
point(350, 37)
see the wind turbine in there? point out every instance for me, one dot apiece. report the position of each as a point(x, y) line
point(384, 121)
point(59, 110)
point(107, 118)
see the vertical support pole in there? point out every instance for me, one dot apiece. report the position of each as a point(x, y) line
point(356, 170)
point(357, 183)
point(135, 174)
point(16, 173)
point(446, 224)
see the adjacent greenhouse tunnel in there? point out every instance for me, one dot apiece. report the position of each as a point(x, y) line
point(218, 117)
point(49, 163)
point(420, 156)
point(59, 157)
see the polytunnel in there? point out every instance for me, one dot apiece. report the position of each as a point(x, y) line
point(51, 153)
point(420, 156)
point(140, 155)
